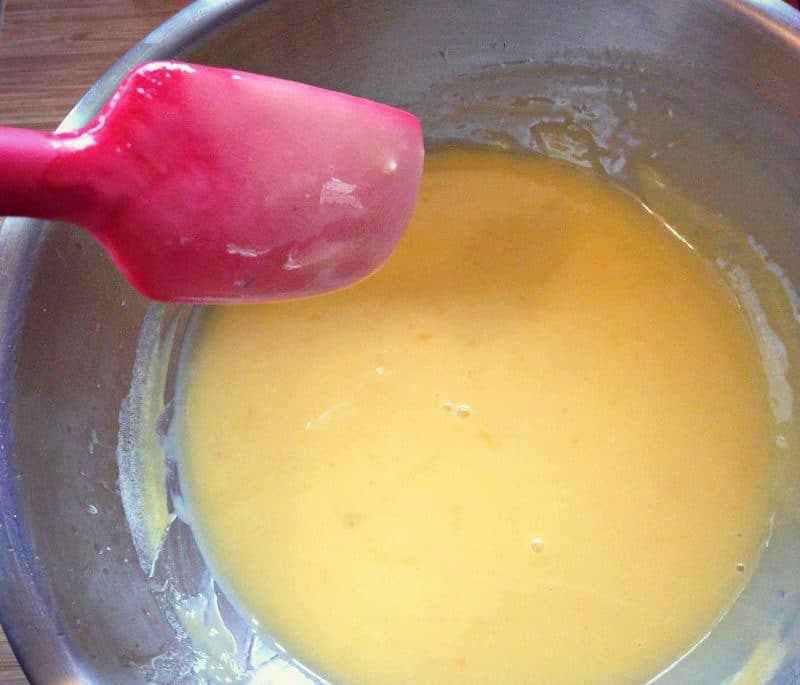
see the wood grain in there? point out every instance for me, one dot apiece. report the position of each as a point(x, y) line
point(10, 672)
point(51, 51)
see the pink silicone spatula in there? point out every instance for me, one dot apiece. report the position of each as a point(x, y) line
point(210, 185)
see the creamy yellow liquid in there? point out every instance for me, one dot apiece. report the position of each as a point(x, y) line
point(532, 450)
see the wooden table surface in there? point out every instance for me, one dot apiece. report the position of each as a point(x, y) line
point(51, 51)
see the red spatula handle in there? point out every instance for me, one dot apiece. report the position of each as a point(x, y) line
point(30, 176)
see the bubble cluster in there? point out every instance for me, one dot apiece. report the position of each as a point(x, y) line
point(461, 410)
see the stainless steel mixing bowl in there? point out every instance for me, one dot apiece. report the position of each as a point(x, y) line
point(706, 92)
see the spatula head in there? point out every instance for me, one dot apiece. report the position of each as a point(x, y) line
point(223, 186)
